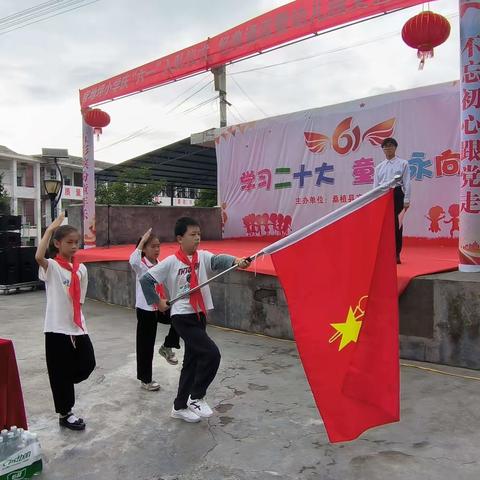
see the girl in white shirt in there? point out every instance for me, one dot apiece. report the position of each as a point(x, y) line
point(69, 351)
point(141, 260)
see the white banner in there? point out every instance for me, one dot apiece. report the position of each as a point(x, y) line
point(89, 229)
point(282, 173)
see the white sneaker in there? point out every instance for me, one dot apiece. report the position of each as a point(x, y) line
point(185, 414)
point(199, 407)
point(153, 386)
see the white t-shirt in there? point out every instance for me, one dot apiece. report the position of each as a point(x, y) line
point(59, 314)
point(140, 267)
point(175, 275)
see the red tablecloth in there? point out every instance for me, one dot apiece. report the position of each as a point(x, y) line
point(12, 410)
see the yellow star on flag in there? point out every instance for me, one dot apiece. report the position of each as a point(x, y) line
point(348, 330)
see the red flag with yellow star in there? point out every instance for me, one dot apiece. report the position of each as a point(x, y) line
point(339, 278)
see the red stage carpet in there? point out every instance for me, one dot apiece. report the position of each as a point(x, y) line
point(418, 259)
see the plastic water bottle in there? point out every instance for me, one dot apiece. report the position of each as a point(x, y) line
point(10, 444)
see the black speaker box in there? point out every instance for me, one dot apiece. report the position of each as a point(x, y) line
point(9, 271)
point(27, 266)
point(10, 222)
point(9, 239)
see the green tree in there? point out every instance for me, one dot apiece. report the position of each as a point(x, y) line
point(4, 198)
point(129, 189)
point(206, 198)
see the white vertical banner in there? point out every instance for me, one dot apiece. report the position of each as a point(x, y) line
point(279, 174)
point(89, 230)
point(469, 239)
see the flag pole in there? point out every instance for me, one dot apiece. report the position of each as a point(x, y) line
point(302, 232)
point(331, 217)
point(206, 282)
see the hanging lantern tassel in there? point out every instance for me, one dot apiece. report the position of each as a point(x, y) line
point(424, 32)
point(97, 119)
point(423, 55)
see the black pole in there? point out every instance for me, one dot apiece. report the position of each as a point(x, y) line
point(108, 226)
point(56, 198)
point(52, 209)
point(61, 179)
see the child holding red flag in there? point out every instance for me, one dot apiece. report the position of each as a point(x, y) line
point(180, 273)
point(141, 260)
point(69, 351)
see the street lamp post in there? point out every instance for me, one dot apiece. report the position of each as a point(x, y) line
point(53, 187)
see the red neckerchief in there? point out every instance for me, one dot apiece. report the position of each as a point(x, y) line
point(196, 299)
point(74, 289)
point(158, 286)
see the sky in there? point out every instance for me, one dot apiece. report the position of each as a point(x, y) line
point(45, 64)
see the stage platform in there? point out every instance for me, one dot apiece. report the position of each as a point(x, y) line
point(418, 258)
point(439, 319)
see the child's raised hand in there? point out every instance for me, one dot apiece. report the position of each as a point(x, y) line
point(144, 238)
point(146, 234)
point(57, 222)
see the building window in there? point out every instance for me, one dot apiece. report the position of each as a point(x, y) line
point(66, 181)
point(78, 179)
point(29, 176)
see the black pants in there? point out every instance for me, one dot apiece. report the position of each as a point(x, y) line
point(146, 335)
point(70, 360)
point(398, 197)
point(201, 359)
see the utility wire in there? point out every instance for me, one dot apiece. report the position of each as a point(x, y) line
point(10, 28)
point(234, 115)
point(190, 96)
point(184, 92)
point(202, 104)
point(131, 136)
point(27, 10)
point(29, 14)
point(265, 114)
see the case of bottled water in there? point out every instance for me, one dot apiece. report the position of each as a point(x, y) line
point(20, 454)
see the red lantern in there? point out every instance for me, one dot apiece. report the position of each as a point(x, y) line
point(97, 119)
point(424, 32)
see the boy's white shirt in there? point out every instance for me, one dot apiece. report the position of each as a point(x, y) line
point(59, 312)
point(173, 274)
point(387, 169)
point(140, 268)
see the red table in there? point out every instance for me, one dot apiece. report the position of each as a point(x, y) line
point(12, 410)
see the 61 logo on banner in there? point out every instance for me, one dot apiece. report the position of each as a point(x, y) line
point(346, 139)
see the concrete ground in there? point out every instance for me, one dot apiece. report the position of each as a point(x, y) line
point(266, 425)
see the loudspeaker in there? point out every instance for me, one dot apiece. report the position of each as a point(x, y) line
point(9, 239)
point(9, 267)
point(10, 222)
point(27, 266)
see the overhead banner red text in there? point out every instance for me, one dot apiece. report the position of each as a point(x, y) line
point(284, 24)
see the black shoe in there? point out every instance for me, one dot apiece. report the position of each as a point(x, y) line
point(78, 424)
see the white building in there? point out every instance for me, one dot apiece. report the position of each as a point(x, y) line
point(23, 177)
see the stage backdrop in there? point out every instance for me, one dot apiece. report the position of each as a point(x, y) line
point(279, 174)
